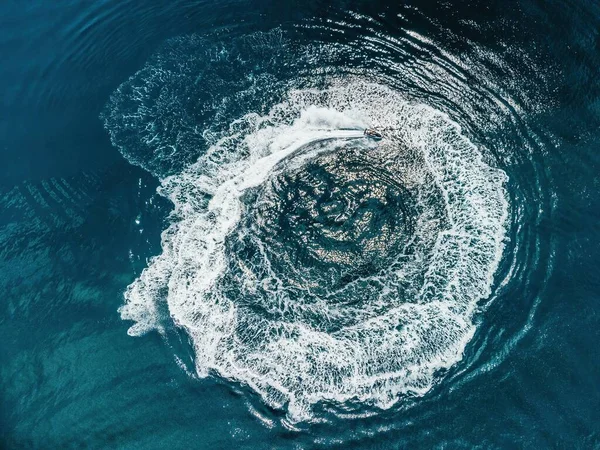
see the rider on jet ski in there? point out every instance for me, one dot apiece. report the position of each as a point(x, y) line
point(373, 134)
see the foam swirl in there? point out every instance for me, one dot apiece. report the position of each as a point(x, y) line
point(313, 265)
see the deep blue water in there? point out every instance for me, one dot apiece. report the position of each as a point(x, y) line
point(313, 288)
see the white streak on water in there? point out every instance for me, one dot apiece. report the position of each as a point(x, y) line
point(287, 361)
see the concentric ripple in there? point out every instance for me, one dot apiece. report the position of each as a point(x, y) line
point(303, 259)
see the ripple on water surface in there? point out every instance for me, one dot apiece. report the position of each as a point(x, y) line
point(303, 259)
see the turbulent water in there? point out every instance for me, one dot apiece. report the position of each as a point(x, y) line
point(286, 280)
point(303, 258)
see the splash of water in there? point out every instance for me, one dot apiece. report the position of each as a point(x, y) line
point(308, 312)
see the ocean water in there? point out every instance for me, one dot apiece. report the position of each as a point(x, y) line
point(201, 249)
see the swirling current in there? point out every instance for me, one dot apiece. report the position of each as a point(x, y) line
point(323, 269)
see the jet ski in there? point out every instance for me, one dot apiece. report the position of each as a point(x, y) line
point(372, 133)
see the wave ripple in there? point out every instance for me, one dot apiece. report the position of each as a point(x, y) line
point(303, 259)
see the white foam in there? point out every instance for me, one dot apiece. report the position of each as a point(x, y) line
point(288, 362)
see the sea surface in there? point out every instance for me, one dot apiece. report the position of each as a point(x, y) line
point(200, 248)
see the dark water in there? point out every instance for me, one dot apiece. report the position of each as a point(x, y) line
point(313, 288)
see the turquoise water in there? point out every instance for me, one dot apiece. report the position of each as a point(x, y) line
point(201, 249)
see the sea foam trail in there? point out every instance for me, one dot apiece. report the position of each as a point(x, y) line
point(407, 321)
